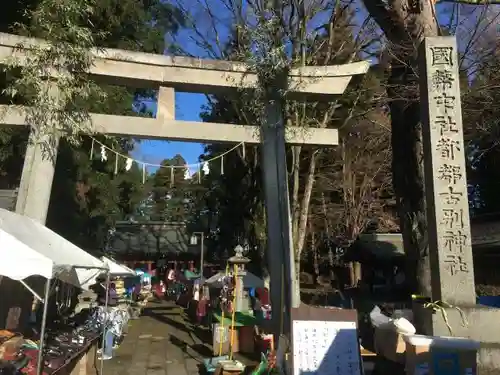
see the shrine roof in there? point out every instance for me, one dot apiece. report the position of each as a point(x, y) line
point(154, 237)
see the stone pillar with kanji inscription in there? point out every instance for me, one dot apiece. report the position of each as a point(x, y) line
point(449, 233)
point(450, 249)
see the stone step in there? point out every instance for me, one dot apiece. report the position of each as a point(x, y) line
point(488, 359)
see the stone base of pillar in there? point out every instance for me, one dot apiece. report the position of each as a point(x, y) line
point(479, 323)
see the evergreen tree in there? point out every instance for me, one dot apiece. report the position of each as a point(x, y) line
point(169, 191)
point(87, 194)
point(482, 129)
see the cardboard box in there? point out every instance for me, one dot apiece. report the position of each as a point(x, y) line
point(390, 344)
point(243, 340)
point(427, 355)
point(223, 333)
point(246, 339)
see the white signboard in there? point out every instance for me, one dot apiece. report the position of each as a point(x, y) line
point(325, 348)
point(220, 334)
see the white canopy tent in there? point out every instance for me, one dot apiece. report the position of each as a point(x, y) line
point(89, 277)
point(117, 269)
point(28, 248)
point(132, 272)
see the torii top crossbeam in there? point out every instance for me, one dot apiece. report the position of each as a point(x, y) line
point(166, 73)
point(145, 70)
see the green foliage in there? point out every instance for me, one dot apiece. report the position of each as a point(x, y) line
point(137, 25)
point(54, 107)
point(12, 149)
point(72, 28)
point(482, 130)
point(169, 192)
point(232, 208)
point(88, 196)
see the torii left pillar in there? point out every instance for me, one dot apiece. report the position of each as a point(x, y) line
point(33, 198)
point(37, 177)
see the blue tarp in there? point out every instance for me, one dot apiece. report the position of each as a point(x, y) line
point(145, 277)
point(493, 301)
point(130, 282)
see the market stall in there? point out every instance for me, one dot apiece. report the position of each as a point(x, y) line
point(115, 270)
point(129, 270)
point(141, 289)
point(249, 280)
point(27, 249)
point(232, 314)
point(114, 315)
point(120, 273)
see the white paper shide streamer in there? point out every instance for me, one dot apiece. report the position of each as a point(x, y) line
point(128, 164)
point(187, 174)
point(203, 167)
point(104, 154)
point(206, 168)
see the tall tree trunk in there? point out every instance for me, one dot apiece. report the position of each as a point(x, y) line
point(314, 249)
point(295, 203)
point(301, 209)
point(408, 178)
point(355, 273)
point(405, 24)
point(304, 206)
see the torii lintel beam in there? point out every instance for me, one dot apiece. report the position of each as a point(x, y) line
point(145, 70)
point(203, 132)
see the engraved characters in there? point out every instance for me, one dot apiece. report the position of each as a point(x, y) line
point(454, 235)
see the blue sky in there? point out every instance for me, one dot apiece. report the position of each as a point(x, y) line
point(154, 151)
point(188, 105)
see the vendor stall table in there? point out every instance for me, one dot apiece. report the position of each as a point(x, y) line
point(42, 252)
point(82, 362)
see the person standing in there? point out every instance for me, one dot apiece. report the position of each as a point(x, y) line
point(99, 288)
point(113, 295)
point(171, 275)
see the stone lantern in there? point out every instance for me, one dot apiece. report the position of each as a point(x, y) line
point(240, 262)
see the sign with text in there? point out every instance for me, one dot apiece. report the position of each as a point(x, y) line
point(445, 174)
point(325, 348)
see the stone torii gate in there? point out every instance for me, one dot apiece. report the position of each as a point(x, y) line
point(170, 74)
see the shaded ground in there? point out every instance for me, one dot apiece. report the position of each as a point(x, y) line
point(157, 344)
point(162, 342)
